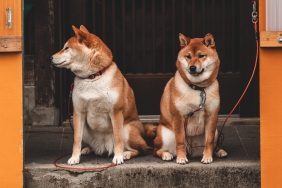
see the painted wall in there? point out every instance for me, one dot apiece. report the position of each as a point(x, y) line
point(11, 150)
point(271, 112)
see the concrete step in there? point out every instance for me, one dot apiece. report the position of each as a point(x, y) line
point(240, 169)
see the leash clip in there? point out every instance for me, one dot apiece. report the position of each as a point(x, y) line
point(201, 105)
point(254, 13)
point(203, 98)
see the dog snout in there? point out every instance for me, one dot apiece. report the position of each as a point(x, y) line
point(193, 69)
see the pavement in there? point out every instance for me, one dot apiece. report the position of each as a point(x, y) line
point(240, 169)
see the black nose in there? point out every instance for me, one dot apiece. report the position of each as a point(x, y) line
point(193, 69)
point(51, 58)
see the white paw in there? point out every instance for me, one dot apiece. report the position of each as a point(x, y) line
point(207, 159)
point(181, 160)
point(221, 153)
point(73, 160)
point(85, 151)
point(118, 159)
point(166, 156)
point(126, 155)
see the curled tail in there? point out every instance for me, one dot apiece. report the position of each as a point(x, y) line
point(150, 130)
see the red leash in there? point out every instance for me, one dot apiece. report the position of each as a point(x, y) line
point(254, 20)
point(80, 169)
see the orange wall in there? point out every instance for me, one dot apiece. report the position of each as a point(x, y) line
point(271, 112)
point(11, 151)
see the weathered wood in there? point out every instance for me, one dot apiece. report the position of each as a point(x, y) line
point(271, 39)
point(29, 70)
point(146, 44)
point(10, 43)
point(250, 104)
point(44, 44)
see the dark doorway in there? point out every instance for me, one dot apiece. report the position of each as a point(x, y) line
point(143, 36)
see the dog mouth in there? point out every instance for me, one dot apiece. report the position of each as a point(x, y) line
point(58, 64)
point(195, 73)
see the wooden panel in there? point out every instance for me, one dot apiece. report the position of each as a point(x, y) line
point(10, 43)
point(143, 36)
point(250, 103)
point(270, 39)
point(44, 44)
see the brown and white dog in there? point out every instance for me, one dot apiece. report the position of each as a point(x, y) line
point(105, 117)
point(190, 104)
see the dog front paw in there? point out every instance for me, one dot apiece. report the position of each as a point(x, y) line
point(118, 159)
point(207, 159)
point(166, 156)
point(181, 160)
point(127, 155)
point(74, 160)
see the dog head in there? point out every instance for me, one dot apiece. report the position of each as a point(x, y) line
point(84, 53)
point(198, 59)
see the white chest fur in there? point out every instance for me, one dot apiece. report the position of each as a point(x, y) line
point(95, 99)
point(190, 99)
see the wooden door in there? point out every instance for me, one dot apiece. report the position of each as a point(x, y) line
point(143, 36)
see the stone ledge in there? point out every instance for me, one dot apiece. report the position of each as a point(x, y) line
point(194, 174)
point(240, 169)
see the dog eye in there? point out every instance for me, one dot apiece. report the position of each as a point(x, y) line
point(201, 55)
point(66, 48)
point(188, 56)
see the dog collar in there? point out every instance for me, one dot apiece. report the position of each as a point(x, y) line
point(195, 87)
point(99, 73)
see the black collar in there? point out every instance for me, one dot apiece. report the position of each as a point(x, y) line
point(195, 87)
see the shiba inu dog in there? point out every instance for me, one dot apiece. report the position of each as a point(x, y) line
point(105, 117)
point(190, 104)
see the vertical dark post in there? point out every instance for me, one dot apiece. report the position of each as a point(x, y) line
point(123, 35)
point(154, 35)
point(59, 30)
point(143, 34)
point(104, 20)
point(44, 47)
point(174, 36)
point(114, 26)
point(133, 38)
point(163, 42)
point(250, 104)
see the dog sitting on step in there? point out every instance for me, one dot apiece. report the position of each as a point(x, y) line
point(105, 117)
point(190, 104)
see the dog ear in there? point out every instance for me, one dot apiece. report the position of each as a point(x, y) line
point(80, 35)
point(183, 40)
point(209, 40)
point(83, 28)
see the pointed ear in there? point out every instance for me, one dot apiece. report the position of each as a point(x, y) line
point(83, 28)
point(80, 35)
point(209, 40)
point(183, 40)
